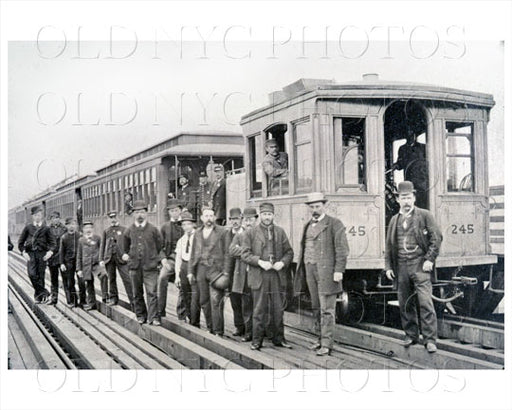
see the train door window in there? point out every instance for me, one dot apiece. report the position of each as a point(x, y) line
point(152, 188)
point(276, 170)
point(255, 159)
point(350, 154)
point(459, 157)
point(303, 156)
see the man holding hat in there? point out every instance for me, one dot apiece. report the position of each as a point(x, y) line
point(323, 257)
point(171, 231)
point(143, 247)
point(111, 252)
point(219, 195)
point(240, 285)
point(57, 229)
point(275, 165)
point(267, 251)
point(37, 244)
point(412, 245)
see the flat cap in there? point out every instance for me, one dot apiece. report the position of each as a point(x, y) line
point(35, 210)
point(266, 207)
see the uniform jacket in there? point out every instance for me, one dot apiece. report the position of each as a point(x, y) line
point(331, 248)
point(34, 239)
point(112, 244)
point(144, 246)
point(253, 243)
point(219, 198)
point(57, 232)
point(187, 196)
point(426, 232)
point(171, 233)
point(275, 167)
point(240, 267)
point(68, 248)
point(88, 256)
point(219, 259)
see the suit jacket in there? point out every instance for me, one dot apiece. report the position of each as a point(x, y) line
point(331, 248)
point(34, 239)
point(144, 246)
point(57, 232)
point(240, 267)
point(87, 258)
point(253, 244)
point(426, 232)
point(171, 233)
point(219, 198)
point(68, 248)
point(220, 260)
point(187, 196)
point(112, 244)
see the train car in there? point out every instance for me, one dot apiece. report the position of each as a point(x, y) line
point(153, 174)
point(343, 138)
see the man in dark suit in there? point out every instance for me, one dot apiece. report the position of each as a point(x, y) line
point(219, 195)
point(267, 251)
point(143, 247)
point(67, 258)
point(412, 245)
point(57, 229)
point(323, 257)
point(240, 285)
point(111, 252)
point(209, 258)
point(171, 232)
point(37, 244)
point(186, 193)
point(203, 195)
point(88, 264)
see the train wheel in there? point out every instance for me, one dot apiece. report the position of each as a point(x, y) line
point(350, 308)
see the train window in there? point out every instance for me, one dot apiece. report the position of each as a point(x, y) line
point(459, 156)
point(255, 158)
point(303, 156)
point(349, 151)
point(153, 174)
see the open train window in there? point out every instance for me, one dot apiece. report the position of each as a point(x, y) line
point(349, 149)
point(303, 156)
point(255, 158)
point(459, 157)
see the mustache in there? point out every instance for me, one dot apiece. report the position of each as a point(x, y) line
point(316, 213)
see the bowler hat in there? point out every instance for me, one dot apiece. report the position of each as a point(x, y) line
point(186, 216)
point(69, 220)
point(174, 203)
point(87, 223)
point(140, 204)
point(55, 214)
point(235, 213)
point(250, 212)
point(112, 213)
point(405, 187)
point(316, 197)
point(221, 281)
point(266, 207)
point(35, 210)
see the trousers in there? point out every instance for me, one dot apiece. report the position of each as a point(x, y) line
point(147, 280)
point(211, 300)
point(112, 268)
point(268, 302)
point(36, 268)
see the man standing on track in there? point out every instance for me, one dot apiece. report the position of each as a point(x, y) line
point(57, 230)
point(412, 245)
point(67, 258)
point(37, 244)
point(324, 252)
point(111, 252)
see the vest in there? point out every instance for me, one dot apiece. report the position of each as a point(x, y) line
point(310, 254)
point(208, 246)
point(408, 247)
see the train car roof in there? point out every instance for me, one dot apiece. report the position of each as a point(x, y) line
point(369, 88)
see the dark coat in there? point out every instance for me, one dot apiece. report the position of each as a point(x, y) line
point(68, 248)
point(426, 232)
point(87, 257)
point(187, 196)
point(219, 198)
point(220, 260)
point(57, 232)
point(144, 246)
point(240, 267)
point(113, 240)
point(171, 233)
point(34, 239)
point(10, 245)
point(253, 244)
point(331, 248)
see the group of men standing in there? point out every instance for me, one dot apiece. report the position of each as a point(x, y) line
point(249, 260)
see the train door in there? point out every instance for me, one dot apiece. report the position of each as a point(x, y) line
point(405, 136)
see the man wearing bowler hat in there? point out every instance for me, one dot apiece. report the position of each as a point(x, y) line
point(171, 232)
point(143, 247)
point(323, 257)
point(57, 229)
point(37, 244)
point(111, 252)
point(267, 251)
point(219, 195)
point(412, 245)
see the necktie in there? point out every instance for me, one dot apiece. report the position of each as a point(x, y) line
point(188, 243)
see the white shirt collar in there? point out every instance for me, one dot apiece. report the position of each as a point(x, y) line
point(142, 225)
point(320, 218)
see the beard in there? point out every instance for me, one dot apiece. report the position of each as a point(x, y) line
point(140, 219)
point(208, 223)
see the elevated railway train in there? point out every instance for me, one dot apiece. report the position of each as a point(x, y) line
point(341, 139)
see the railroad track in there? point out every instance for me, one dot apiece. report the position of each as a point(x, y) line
point(175, 344)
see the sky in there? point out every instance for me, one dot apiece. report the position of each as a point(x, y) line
point(76, 107)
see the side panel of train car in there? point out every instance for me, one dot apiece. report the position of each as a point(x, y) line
point(341, 139)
